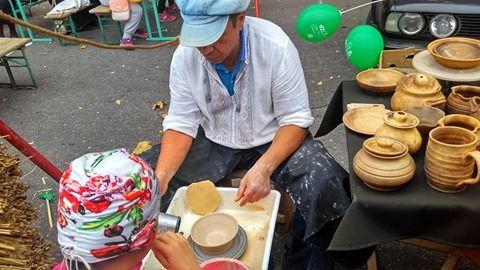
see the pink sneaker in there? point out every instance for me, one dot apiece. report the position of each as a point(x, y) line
point(175, 8)
point(126, 42)
point(141, 33)
point(167, 17)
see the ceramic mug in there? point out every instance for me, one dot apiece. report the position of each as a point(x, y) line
point(461, 120)
point(451, 158)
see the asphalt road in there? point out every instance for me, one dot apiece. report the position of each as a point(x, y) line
point(93, 100)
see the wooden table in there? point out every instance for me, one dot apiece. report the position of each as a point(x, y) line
point(8, 46)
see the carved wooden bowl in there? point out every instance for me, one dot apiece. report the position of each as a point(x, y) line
point(456, 52)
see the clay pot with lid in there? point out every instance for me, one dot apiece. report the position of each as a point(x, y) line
point(464, 99)
point(416, 90)
point(383, 164)
point(401, 126)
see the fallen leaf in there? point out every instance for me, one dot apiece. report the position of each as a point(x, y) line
point(83, 47)
point(338, 76)
point(331, 77)
point(123, 65)
point(80, 108)
point(142, 146)
point(164, 115)
point(32, 142)
point(320, 83)
point(118, 102)
point(158, 105)
point(112, 72)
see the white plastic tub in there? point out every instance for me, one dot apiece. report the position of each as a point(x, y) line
point(257, 219)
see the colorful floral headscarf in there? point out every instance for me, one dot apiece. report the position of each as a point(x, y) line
point(108, 205)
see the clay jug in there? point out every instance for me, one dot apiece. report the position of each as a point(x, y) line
point(450, 159)
point(461, 120)
point(464, 99)
point(416, 90)
point(383, 164)
point(402, 127)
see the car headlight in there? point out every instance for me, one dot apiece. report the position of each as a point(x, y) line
point(443, 25)
point(411, 23)
point(391, 23)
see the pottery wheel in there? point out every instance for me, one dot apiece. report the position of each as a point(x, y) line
point(236, 251)
point(423, 62)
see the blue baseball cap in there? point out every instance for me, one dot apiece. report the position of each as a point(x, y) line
point(204, 21)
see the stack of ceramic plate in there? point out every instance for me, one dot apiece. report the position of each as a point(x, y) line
point(235, 251)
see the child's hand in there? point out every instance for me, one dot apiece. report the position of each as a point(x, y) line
point(174, 252)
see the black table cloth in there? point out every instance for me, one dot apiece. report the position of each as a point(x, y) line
point(414, 210)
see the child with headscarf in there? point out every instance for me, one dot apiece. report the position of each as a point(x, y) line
point(107, 215)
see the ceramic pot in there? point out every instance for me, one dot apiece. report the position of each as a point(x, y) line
point(417, 90)
point(401, 126)
point(450, 159)
point(428, 116)
point(464, 99)
point(461, 120)
point(383, 164)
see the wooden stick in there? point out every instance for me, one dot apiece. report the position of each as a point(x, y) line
point(12, 261)
point(6, 232)
point(81, 40)
point(7, 247)
point(42, 190)
point(49, 212)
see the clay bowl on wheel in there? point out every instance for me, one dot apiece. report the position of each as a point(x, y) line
point(456, 52)
point(379, 81)
point(428, 117)
point(214, 233)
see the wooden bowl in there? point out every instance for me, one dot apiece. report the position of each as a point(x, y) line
point(379, 81)
point(456, 52)
point(214, 233)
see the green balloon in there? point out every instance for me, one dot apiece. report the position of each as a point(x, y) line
point(318, 22)
point(363, 46)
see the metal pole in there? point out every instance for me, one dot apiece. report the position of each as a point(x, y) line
point(18, 142)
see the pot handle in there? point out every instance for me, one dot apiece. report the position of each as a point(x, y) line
point(476, 156)
point(473, 102)
point(435, 102)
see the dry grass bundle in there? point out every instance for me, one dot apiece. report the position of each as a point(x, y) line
point(21, 245)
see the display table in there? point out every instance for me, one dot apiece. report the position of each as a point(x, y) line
point(413, 211)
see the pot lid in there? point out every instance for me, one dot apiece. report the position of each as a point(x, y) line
point(384, 146)
point(401, 119)
point(419, 83)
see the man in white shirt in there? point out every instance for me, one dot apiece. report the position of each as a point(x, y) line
point(241, 80)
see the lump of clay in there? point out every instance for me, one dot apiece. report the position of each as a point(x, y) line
point(203, 197)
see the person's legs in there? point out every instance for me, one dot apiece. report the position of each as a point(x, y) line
point(133, 23)
point(316, 182)
point(165, 16)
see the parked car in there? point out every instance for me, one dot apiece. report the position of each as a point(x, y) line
point(405, 23)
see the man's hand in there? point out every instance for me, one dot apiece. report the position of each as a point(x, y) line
point(255, 185)
point(174, 252)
